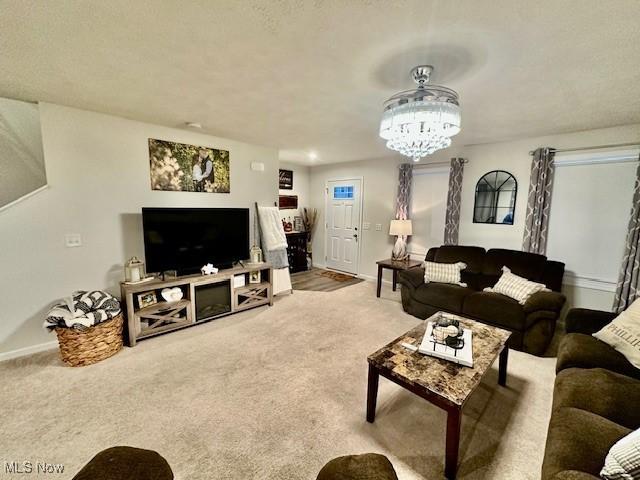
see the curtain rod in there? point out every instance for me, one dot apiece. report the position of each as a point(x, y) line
point(596, 147)
point(436, 164)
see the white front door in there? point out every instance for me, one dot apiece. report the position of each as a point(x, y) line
point(342, 214)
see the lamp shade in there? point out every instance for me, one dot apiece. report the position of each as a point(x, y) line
point(400, 228)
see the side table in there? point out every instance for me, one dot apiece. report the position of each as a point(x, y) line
point(396, 266)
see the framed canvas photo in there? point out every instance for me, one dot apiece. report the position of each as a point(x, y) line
point(180, 167)
point(146, 299)
point(286, 179)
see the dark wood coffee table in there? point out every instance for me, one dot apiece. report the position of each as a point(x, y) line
point(396, 266)
point(445, 384)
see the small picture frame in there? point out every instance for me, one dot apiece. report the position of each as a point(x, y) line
point(254, 277)
point(147, 299)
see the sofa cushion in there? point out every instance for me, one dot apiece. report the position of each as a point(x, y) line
point(573, 475)
point(578, 440)
point(552, 275)
point(587, 321)
point(578, 350)
point(472, 256)
point(442, 295)
point(414, 277)
point(548, 301)
point(367, 466)
point(605, 393)
point(495, 309)
point(126, 463)
point(528, 265)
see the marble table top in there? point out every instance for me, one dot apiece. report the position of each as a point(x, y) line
point(451, 381)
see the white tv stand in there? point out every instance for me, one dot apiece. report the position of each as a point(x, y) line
point(205, 297)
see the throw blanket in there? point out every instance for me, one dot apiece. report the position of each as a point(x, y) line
point(277, 258)
point(273, 237)
point(82, 310)
point(274, 241)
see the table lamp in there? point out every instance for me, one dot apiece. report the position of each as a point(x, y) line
point(402, 229)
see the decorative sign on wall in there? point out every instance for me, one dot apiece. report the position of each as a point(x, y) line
point(188, 168)
point(288, 202)
point(286, 179)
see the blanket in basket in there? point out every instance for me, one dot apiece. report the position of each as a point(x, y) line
point(83, 309)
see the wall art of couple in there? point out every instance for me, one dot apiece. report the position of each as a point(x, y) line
point(188, 168)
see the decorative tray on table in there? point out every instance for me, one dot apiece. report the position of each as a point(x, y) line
point(450, 341)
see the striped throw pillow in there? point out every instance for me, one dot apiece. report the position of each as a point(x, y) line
point(516, 287)
point(444, 272)
point(623, 460)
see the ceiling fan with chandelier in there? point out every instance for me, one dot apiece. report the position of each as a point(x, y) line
point(418, 122)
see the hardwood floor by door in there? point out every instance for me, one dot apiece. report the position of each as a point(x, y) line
point(321, 280)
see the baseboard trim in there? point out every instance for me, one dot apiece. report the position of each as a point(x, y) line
point(371, 278)
point(30, 350)
point(590, 283)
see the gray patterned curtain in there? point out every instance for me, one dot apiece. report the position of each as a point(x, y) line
point(404, 191)
point(452, 218)
point(627, 289)
point(536, 222)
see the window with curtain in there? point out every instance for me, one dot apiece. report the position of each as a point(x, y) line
point(590, 206)
point(428, 208)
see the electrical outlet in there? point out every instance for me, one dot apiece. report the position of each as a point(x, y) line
point(366, 225)
point(378, 227)
point(72, 240)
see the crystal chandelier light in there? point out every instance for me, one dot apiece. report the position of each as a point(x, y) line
point(418, 122)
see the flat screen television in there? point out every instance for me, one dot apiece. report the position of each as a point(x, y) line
point(185, 239)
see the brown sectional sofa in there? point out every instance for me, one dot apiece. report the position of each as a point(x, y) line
point(595, 400)
point(532, 324)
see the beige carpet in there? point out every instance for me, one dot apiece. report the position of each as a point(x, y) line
point(270, 394)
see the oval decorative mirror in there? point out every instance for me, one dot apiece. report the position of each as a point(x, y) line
point(495, 198)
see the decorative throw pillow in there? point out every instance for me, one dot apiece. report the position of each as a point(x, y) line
point(623, 333)
point(623, 460)
point(444, 273)
point(516, 287)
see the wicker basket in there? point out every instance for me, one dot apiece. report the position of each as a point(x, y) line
point(79, 348)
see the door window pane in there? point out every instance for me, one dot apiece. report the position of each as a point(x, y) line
point(343, 192)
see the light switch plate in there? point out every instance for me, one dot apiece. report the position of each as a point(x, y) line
point(378, 227)
point(366, 225)
point(72, 240)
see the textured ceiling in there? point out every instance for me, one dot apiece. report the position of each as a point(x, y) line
point(312, 75)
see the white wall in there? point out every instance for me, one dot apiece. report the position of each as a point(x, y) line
point(380, 179)
point(428, 209)
point(380, 185)
point(98, 175)
point(514, 157)
point(300, 188)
